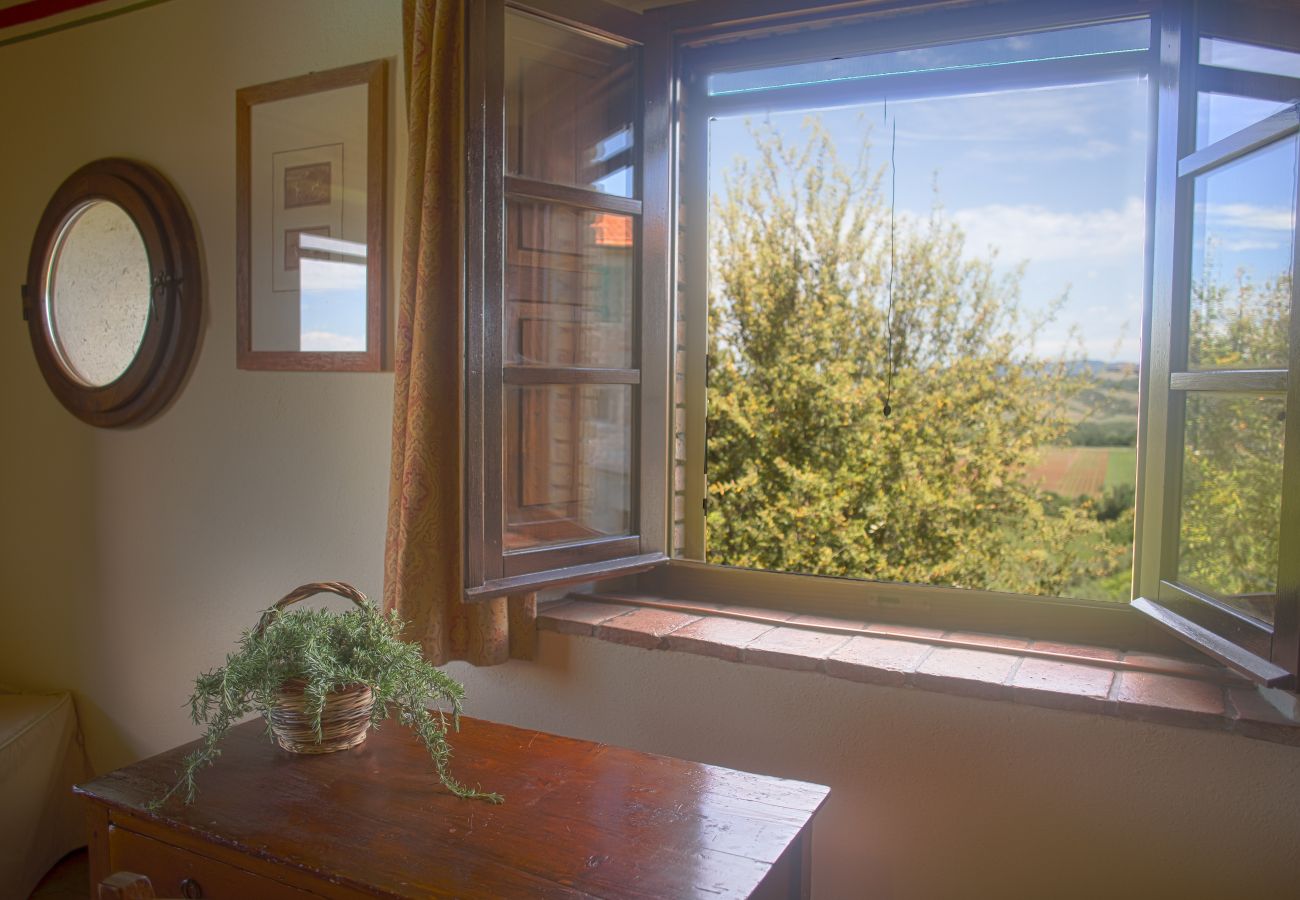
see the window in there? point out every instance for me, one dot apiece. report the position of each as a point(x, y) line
point(1021, 447)
point(1223, 480)
point(564, 379)
point(954, 232)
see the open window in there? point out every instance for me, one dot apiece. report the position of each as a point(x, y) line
point(567, 284)
point(594, 359)
point(1222, 516)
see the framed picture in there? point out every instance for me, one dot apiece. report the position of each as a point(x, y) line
point(311, 191)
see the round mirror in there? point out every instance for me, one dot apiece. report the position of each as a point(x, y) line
point(114, 292)
point(97, 293)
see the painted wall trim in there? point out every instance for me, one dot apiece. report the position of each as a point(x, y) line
point(37, 18)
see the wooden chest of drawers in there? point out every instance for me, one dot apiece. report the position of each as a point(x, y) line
point(580, 820)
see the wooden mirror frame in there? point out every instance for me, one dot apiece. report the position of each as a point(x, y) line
point(373, 76)
point(176, 296)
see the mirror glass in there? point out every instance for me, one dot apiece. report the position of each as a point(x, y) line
point(98, 293)
point(309, 256)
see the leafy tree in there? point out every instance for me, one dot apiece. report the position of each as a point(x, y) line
point(806, 473)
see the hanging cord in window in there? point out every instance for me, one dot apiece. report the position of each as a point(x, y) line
point(889, 310)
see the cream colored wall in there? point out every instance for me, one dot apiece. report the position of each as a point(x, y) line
point(133, 556)
point(132, 559)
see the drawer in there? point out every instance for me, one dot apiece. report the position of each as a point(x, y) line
point(180, 873)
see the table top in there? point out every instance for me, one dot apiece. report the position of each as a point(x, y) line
point(580, 818)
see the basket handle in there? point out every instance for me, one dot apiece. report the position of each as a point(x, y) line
point(302, 592)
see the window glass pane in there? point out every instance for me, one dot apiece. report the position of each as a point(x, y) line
point(1232, 499)
point(1009, 354)
point(568, 286)
point(568, 463)
point(1114, 37)
point(1248, 57)
point(1242, 226)
point(570, 102)
point(1219, 115)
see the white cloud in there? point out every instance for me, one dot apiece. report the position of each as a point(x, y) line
point(1012, 119)
point(1087, 150)
point(1036, 233)
point(1245, 216)
point(1241, 246)
point(328, 340)
point(332, 275)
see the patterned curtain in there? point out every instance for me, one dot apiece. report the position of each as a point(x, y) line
point(423, 551)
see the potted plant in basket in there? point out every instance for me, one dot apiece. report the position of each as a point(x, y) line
point(321, 680)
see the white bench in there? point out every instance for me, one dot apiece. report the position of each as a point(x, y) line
point(41, 757)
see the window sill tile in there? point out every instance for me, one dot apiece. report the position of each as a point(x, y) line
point(642, 627)
point(1081, 650)
point(581, 617)
point(1079, 678)
point(971, 673)
point(792, 648)
point(1173, 666)
point(1171, 699)
point(910, 630)
point(715, 636)
point(989, 640)
point(1255, 717)
point(827, 621)
point(1062, 685)
point(876, 660)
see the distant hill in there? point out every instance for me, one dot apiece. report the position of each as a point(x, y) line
point(1104, 414)
point(1104, 369)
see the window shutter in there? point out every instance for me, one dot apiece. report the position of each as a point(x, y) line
point(1217, 551)
point(567, 292)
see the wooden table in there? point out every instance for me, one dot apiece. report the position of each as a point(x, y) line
point(580, 820)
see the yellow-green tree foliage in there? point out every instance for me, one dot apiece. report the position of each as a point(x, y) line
point(805, 473)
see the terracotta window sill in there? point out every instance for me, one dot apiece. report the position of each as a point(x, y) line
point(1042, 673)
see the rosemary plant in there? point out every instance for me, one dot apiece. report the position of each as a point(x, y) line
point(328, 651)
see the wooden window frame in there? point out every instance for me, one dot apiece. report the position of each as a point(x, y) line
point(490, 569)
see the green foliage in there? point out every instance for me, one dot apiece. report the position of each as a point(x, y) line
point(329, 651)
point(1116, 501)
point(805, 473)
point(1113, 433)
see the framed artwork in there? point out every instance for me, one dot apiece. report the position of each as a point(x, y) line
point(311, 192)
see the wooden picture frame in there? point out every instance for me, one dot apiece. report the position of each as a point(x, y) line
point(311, 202)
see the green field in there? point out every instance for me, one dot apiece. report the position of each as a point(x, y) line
point(1121, 466)
point(1083, 471)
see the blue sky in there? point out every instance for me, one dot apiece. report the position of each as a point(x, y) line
point(1053, 177)
point(333, 301)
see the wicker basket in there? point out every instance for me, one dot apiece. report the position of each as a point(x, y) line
point(346, 717)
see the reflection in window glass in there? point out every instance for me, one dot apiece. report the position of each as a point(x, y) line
point(1007, 460)
point(1219, 115)
point(332, 277)
point(1114, 37)
point(1249, 57)
point(574, 482)
point(568, 286)
point(1242, 224)
point(570, 101)
point(1232, 499)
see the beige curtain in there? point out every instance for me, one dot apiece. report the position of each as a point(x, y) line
point(423, 552)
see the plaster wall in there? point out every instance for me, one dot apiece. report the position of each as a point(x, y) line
point(132, 559)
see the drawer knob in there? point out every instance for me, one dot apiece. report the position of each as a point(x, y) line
point(190, 889)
